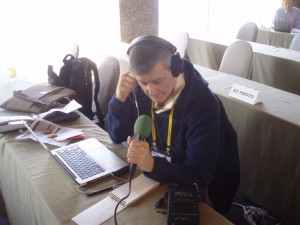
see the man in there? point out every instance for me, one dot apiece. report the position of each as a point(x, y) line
point(192, 140)
point(288, 13)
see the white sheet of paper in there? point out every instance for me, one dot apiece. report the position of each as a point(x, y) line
point(40, 126)
point(71, 106)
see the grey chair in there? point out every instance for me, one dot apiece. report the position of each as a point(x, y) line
point(248, 32)
point(237, 59)
point(295, 44)
point(109, 72)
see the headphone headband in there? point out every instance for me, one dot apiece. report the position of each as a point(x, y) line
point(157, 42)
point(152, 40)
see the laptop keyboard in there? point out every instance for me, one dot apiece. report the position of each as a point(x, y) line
point(80, 162)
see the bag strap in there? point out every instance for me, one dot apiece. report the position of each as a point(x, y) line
point(96, 92)
point(69, 60)
point(53, 78)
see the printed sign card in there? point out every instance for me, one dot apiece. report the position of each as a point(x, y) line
point(245, 94)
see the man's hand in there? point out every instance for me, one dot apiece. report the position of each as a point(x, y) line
point(139, 153)
point(126, 85)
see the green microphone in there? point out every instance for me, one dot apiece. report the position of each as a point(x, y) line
point(142, 127)
point(142, 130)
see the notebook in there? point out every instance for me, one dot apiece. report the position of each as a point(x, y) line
point(282, 26)
point(88, 160)
point(104, 209)
point(140, 186)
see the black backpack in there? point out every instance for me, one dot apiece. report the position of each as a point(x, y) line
point(77, 74)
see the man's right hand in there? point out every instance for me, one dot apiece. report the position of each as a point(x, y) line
point(126, 85)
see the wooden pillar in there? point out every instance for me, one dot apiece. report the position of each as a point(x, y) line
point(137, 18)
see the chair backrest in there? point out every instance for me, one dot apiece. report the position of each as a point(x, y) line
point(237, 59)
point(248, 32)
point(180, 40)
point(109, 72)
point(295, 44)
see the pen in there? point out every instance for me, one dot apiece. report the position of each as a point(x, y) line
point(36, 137)
point(105, 188)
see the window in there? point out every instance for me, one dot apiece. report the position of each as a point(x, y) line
point(214, 16)
point(36, 33)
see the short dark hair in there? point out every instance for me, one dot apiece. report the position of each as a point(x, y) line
point(145, 55)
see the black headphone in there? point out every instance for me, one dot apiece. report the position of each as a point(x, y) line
point(176, 61)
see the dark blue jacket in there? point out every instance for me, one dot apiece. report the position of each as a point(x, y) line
point(204, 144)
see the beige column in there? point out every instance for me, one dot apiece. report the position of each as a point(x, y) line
point(138, 17)
point(297, 3)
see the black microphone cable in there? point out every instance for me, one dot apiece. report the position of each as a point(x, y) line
point(131, 173)
point(142, 129)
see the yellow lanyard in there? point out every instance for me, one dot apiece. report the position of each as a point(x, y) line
point(169, 127)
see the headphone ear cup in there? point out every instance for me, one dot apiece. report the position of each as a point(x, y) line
point(176, 65)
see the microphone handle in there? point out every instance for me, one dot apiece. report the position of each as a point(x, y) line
point(133, 166)
point(132, 170)
point(139, 137)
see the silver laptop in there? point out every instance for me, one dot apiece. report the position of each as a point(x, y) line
point(282, 26)
point(88, 160)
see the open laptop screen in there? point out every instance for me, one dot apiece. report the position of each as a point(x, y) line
point(283, 26)
point(88, 160)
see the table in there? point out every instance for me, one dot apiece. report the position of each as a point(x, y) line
point(268, 140)
point(37, 190)
point(273, 66)
point(269, 144)
point(271, 37)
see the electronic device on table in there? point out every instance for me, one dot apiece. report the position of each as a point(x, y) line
point(180, 204)
point(182, 207)
point(283, 26)
point(88, 160)
point(13, 123)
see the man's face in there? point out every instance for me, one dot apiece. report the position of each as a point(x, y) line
point(157, 84)
point(288, 4)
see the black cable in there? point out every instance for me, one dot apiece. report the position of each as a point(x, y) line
point(159, 206)
point(132, 170)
